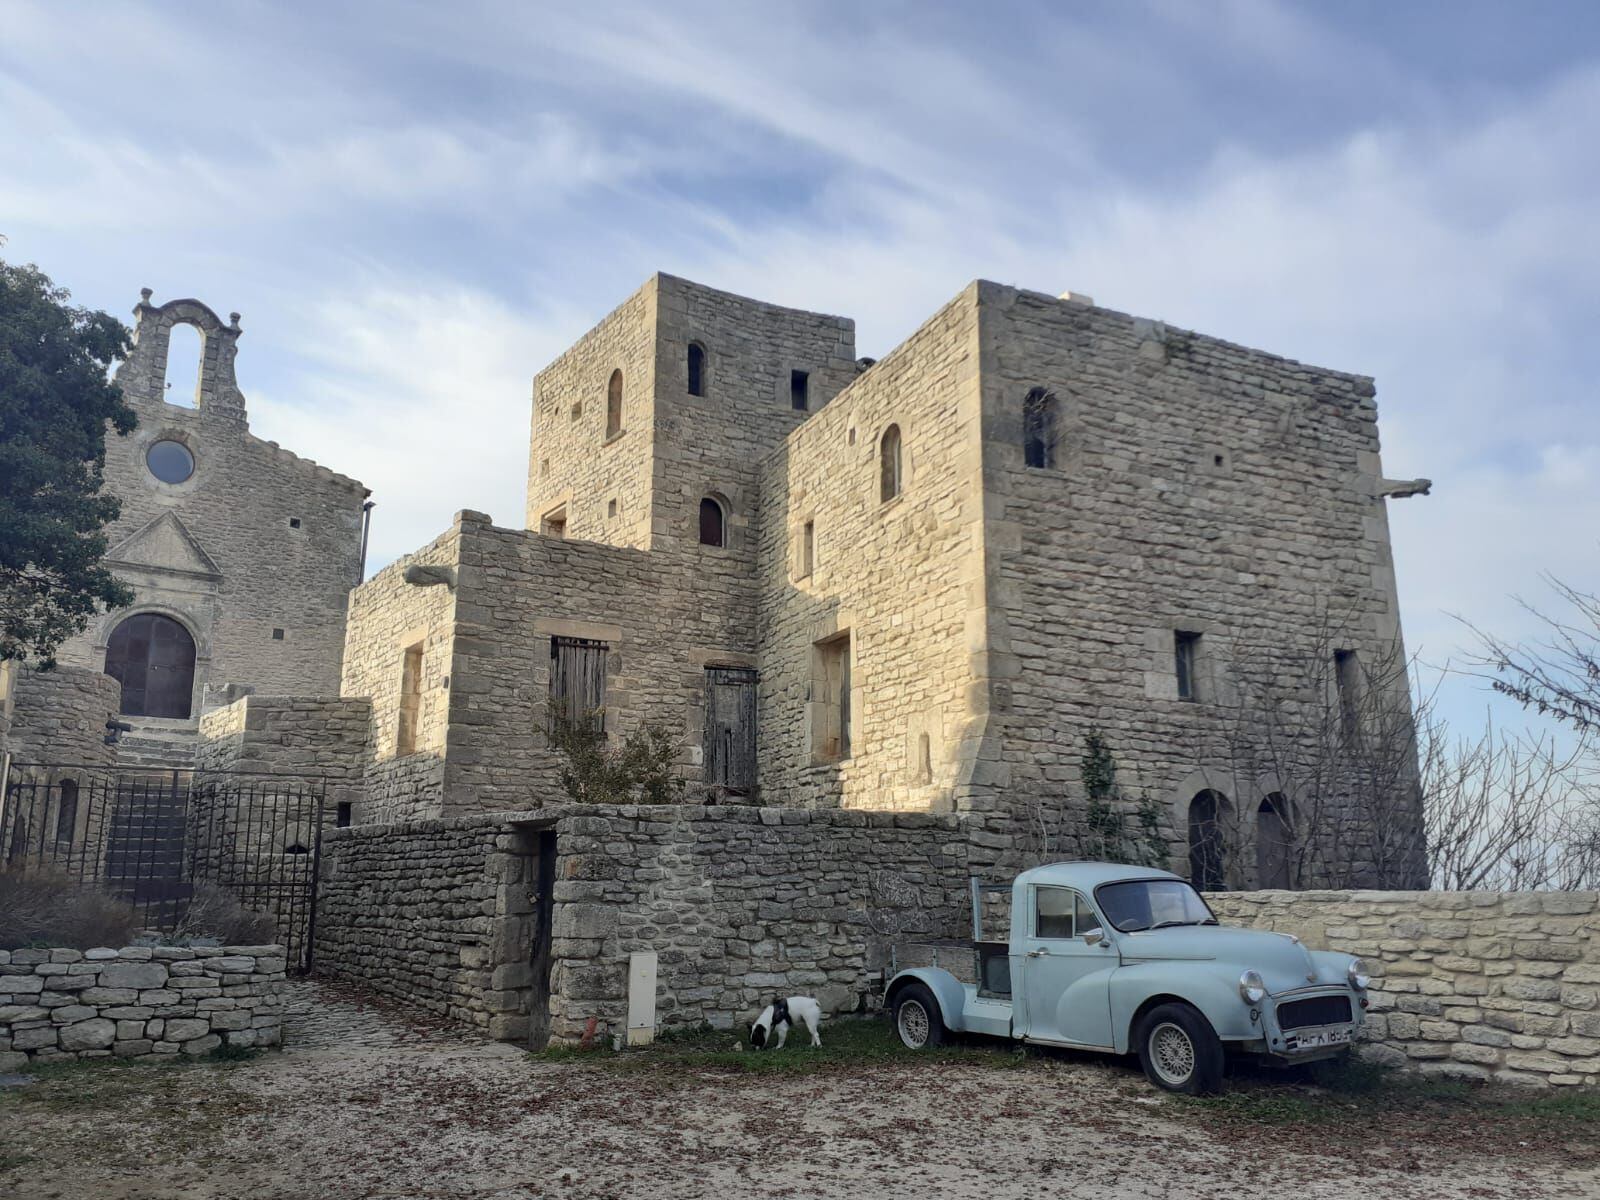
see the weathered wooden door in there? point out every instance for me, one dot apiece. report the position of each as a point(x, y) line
point(730, 749)
point(152, 656)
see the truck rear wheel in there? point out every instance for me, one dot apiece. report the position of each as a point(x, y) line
point(1179, 1050)
point(917, 1018)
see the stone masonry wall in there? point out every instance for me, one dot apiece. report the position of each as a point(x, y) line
point(738, 903)
point(138, 1001)
point(411, 911)
point(387, 615)
point(60, 716)
point(903, 578)
point(322, 736)
point(1489, 985)
point(1198, 486)
point(743, 904)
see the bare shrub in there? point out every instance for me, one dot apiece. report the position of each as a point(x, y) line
point(46, 908)
point(639, 771)
point(215, 912)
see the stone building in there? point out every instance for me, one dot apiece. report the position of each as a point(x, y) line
point(920, 583)
point(240, 554)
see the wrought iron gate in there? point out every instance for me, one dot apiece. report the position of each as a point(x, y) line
point(157, 839)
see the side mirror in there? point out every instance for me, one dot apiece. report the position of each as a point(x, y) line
point(1094, 937)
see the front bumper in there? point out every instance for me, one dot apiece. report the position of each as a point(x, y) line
point(1307, 1042)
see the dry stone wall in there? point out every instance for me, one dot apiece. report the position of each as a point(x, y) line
point(138, 1001)
point(416, 911)
point(1489, 985)
point(741, 905)
point(320, 736)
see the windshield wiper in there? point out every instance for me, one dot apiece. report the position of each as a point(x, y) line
point(1170, 924)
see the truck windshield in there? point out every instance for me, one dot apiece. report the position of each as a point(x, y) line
point(1152, 904)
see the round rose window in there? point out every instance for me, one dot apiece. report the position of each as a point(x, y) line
point(169, 461)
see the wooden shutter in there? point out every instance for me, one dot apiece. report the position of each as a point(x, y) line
point(730, 748)
point(578, 681)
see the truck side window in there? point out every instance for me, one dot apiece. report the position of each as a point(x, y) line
point(1087, 920)
point(1053, 908)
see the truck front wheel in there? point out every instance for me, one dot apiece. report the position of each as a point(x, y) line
point(1179, 1050)
point(917, 1018)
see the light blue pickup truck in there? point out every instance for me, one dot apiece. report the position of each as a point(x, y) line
point(1127, 959)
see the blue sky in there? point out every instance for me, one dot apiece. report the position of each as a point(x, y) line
point(416, 206)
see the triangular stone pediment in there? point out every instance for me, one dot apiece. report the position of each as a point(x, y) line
point(164, 544)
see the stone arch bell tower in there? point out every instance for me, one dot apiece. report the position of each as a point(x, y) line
point(142, 375)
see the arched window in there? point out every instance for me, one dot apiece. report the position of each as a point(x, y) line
point(1274, 843)
point(153, 658)
point(614, 404)
point(889, 464)
point(1039, 413)
point(186, 355)
point(1207, 811)
point(697, 369)
point(713, 523)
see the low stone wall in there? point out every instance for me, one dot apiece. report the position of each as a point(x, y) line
point(411, 911)
point(138, 1001)
point(739, 904)
point(1482, 984)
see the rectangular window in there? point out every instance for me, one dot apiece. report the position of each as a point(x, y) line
point(405, 741)
point(554, 523)
point(1186, 661)
point(341, 816)
point(830, 700)
point(578, 682)
point(1052, 911)
point(1347, 678)
point(799, 385)
point(808, 548)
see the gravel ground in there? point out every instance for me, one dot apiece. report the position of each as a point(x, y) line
point(368, 1104)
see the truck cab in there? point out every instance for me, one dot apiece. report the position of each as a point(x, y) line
point(1119, 959)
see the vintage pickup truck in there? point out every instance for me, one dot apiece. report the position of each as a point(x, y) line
point(1126, 959)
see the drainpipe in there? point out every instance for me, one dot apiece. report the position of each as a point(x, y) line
point(366, 524)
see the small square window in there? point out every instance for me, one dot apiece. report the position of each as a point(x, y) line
point(611, 509)
point(341, 818)
point(294, 522)
point(575, 412)
point(277, 635)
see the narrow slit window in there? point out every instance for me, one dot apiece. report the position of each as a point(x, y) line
point(66, 815)
point(614, 405)
point(410, 701)
point(889, 474)
point(1186, 662)
point(799, 388)
point(808, 548)
point(697, 369)
point(1039, 417)
point(1347, 679)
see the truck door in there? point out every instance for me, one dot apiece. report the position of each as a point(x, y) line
point(1065, 982)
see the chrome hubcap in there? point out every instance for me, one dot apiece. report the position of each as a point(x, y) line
point(913, 1022)
point(1171, 1053)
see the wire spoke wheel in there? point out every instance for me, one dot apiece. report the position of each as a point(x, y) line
point(1172, 1053)
point(912, 1021)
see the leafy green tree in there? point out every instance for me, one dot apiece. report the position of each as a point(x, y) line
point(55, 400)
point(640, 771)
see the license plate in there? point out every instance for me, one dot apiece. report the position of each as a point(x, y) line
point(1328, 1035)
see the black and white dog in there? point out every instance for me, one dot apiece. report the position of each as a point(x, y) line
point(777, 1017)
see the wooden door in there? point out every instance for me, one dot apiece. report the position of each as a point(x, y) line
point(730, 749)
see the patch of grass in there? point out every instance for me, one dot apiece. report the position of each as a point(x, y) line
point(1362, 1096)
point(846, 1043)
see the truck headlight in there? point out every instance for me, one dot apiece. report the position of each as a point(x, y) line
point(1252, 988)
point(1356, 973)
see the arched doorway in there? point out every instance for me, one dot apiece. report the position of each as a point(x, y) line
point(1274, 840)
point(152, 656)
point(1207, 849)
